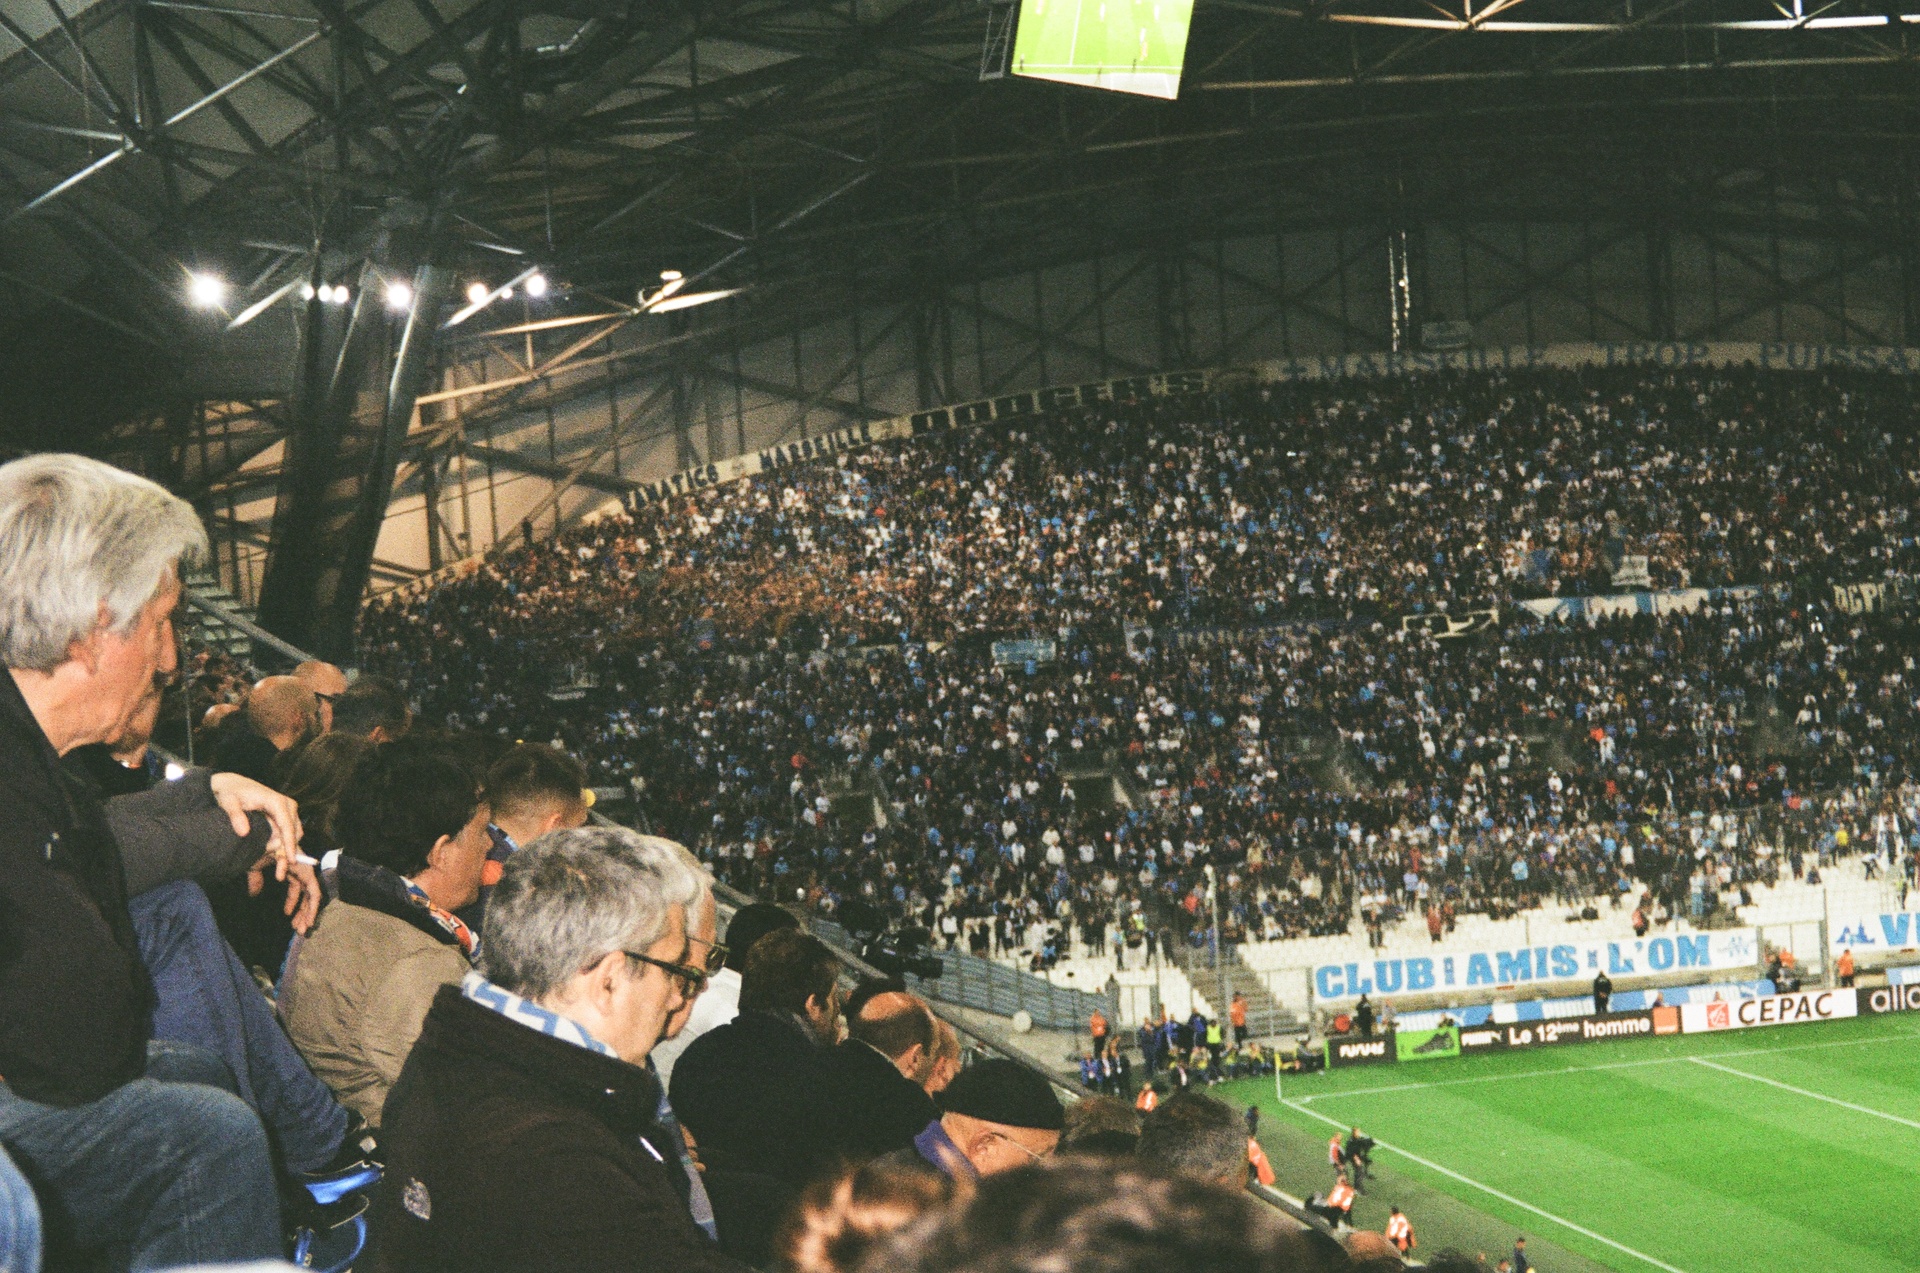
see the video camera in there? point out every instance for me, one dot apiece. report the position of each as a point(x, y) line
point(897, 951)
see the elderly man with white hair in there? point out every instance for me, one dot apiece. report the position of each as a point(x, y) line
point(526, 1131)
point(149, 1171)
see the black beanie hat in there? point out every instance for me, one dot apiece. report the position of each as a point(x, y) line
point(1002, 1092)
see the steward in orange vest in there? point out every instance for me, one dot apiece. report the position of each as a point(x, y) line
point(1400, 1232)
point(1257, 1158)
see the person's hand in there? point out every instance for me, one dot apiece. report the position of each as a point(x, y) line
point(239, 796)
point(303, 890)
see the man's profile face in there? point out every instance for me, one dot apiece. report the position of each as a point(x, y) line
point(650, 996)
point(128, 665)
point(700, 938)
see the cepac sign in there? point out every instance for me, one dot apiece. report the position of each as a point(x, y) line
point(1344, 1052)
point(1890, 999)
point(1794, 1009)
point(1466, 969)
point(1559, 1031)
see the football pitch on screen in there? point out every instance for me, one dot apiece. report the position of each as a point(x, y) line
point(1783, 1149)
point(1132, 46)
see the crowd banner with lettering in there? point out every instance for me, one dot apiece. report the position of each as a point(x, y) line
point(1794, 1009)
point(1453, 969)
point(1676, 354)
point(1874, 934)
point(1444, 626)
point(1623, 604)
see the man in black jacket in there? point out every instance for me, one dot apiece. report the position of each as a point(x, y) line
point(751, 1092)
point(873, 1095)
point(524, 1133)
point(162, 1172)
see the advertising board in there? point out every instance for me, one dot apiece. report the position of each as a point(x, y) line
point(1794, 1009)
point(1889, 999)
point(1438, 1044)
point(1563, 1030)
point(1345, 1052)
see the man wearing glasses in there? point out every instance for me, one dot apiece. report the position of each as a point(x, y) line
point(999, 1116)
point(525, 1131)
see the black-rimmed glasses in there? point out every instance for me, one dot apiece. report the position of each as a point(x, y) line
point(692, 980)
point(716, 957)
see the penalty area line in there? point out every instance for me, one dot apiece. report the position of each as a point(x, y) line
point(1471, 1183)
point(1801, 1091)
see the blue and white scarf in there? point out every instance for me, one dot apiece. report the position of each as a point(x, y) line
point(527, 1013)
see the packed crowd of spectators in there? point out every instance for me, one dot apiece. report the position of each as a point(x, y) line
point(456, 1067)
point(795, 673)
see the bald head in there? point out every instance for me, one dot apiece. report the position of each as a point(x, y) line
point(327, 683)
point(901, 1027)
point(283, 711)
point(946, 1058)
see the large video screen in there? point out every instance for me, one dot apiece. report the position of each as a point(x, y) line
point(1129, 46)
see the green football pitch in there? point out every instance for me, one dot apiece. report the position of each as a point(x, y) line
point(1135, 45)
point(1789, 1149)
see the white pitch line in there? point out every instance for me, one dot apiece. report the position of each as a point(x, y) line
point(1900, 1037)
point(1801, 1091)
point(1470, 1182)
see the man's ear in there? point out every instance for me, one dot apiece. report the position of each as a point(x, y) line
point(913, 1062)
point(607, 976)
point(438, 853)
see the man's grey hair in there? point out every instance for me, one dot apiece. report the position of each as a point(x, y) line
point(572, 897)
point(703, 879)
point(79, 538)
point(1195, 1135)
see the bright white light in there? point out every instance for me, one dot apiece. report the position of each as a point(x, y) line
point(306, 291)
point(477, 293)
point(536, 285)
point(669, 276)
point(335, 295)
point(399, 295)
point(506, 293)
point(206, 291)
point(175, 772)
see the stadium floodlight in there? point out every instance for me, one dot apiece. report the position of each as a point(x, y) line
point(1128, 46)
point(335, 295)
point(668, 296)
point(536, 285)
point(400, 295)
point(306, 292)
point(206, 290)
point(477, 293)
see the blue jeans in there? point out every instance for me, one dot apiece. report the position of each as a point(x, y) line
point(208, 999)
point(163, 1171)
point(19, 1221)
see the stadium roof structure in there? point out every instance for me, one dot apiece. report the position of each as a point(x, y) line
point(815, 159)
